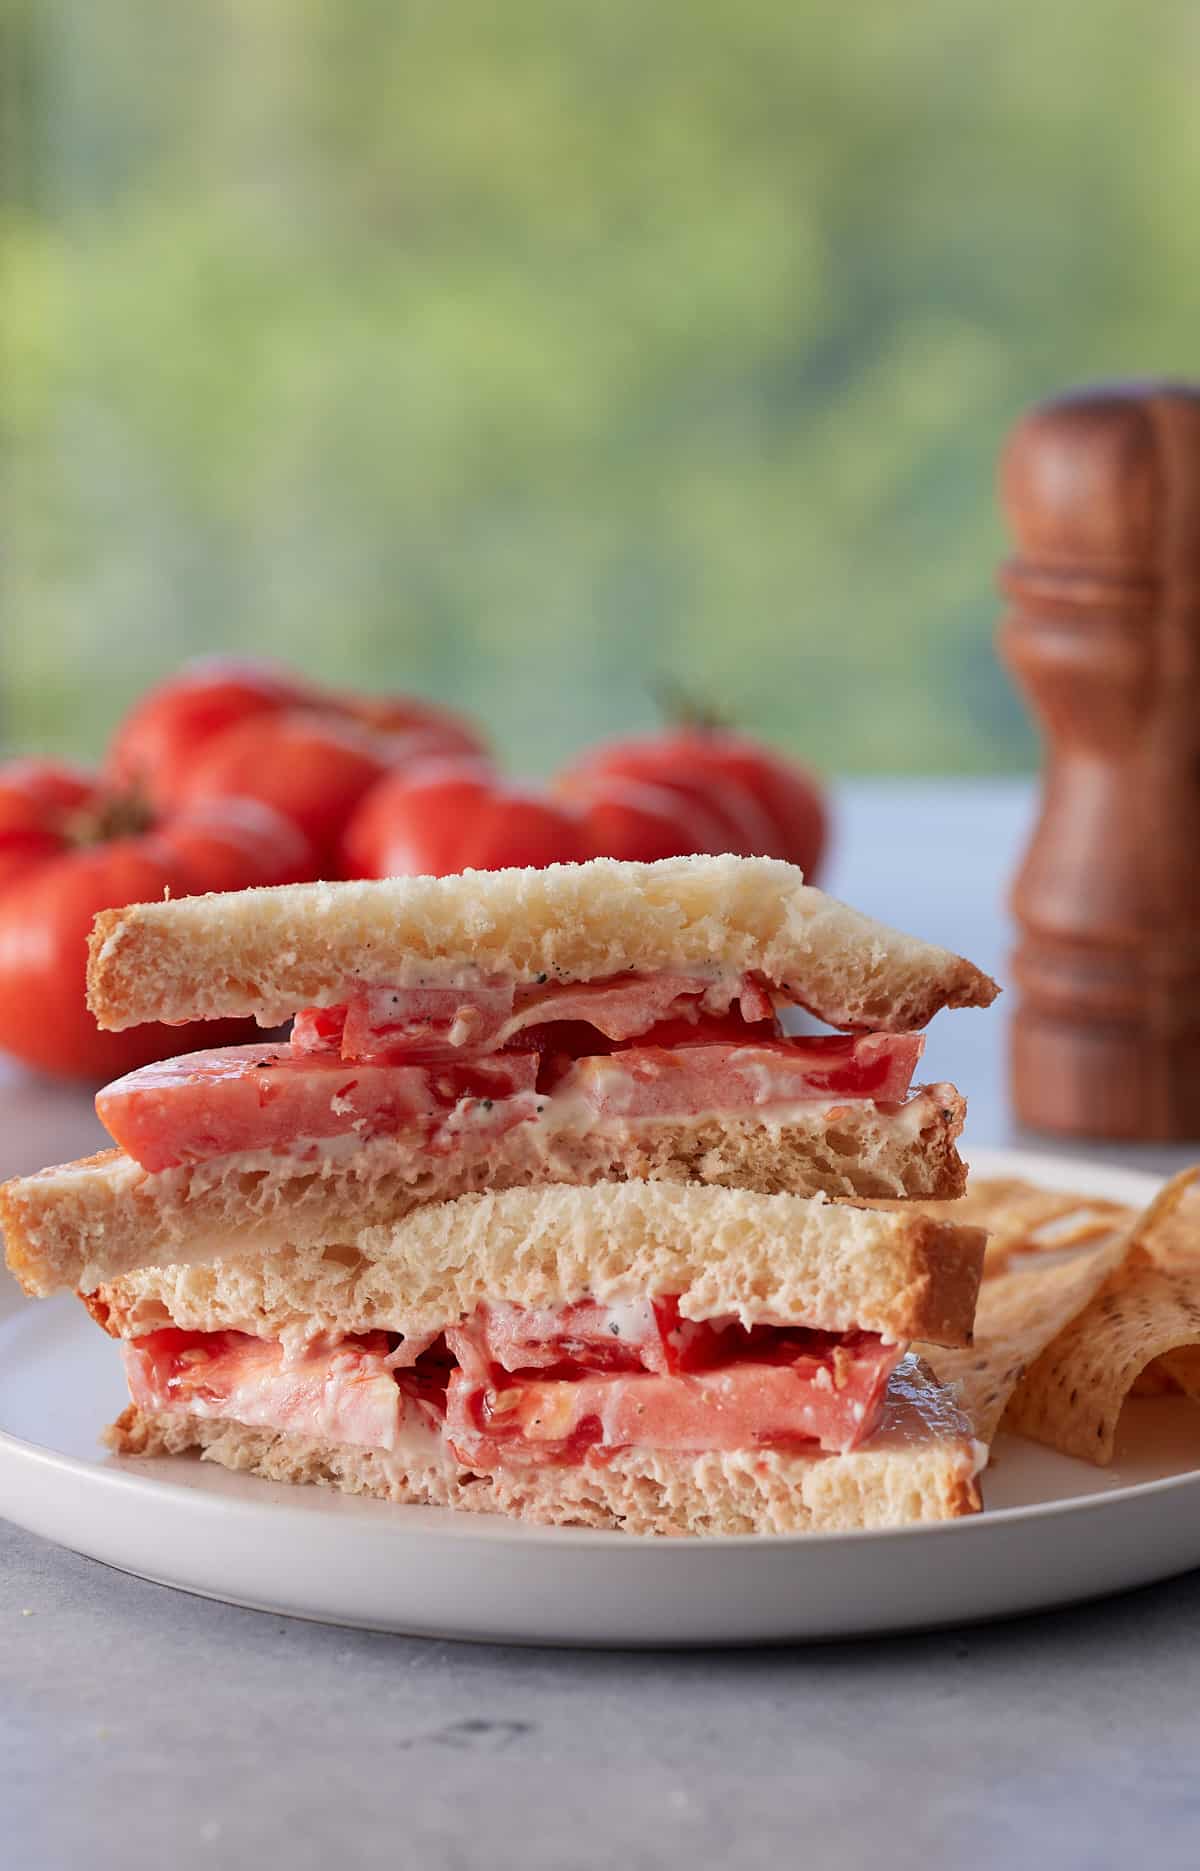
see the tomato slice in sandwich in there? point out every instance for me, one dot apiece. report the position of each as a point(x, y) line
point(802, 1392)
point(242, 1098)
point(723, 1077)
point(419, 1022)
point(275, 1098)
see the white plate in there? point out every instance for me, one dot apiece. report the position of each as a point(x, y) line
point(1055, 1531)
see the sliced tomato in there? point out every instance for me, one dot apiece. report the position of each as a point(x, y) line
point(688, 1079)
point(621, 1006)
point(387, 1021)
point(628, 1335)
point(433, 1022)
point(276, 1097)
point(728, 1029)
point(831, 1397)
point(413, 1023)
point(319, 1029)
point(591, 1337)
point(269, 1098)
point(768, 1387)
point(343, 1391)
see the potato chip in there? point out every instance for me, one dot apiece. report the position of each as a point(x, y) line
point(1171, 1231)
point(1175, 1243)
point(1175, 1370)
point(1144, 1318)
point(1083, 1304)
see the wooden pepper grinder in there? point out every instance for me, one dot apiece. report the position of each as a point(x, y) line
point(1102, 492)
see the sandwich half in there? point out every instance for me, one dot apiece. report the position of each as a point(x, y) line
point(591, 1023)
point(644, 1356)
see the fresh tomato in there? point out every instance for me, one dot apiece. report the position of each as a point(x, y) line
point(155, 751)
point(158, 740)
point(407, 714)
point(310, 764)
point(68, 848)
point(718, 819)
point(775, 807)
point(40, 801)
point(788, 793)
point(455, 815)
point(640, 822)
point(235, 844)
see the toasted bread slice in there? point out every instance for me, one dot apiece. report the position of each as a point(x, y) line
point(782, 1259)
point(266, 953)
point(921, 1465)
point(86, 1223)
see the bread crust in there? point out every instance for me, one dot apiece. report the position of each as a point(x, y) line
point(267, 952)
point(921, 1466)
point(82, 1224)
point(780, 1259)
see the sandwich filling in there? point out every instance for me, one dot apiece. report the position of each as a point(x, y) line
point(455, 1067)
point(516, 1387)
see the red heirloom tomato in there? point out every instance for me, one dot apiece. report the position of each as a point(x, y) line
point(68, 848)
point(36, 798)
point(310, 764)
point(171, 735)
point(732, 820)
point(775, 807)
point(448, 732)
point(639, 822)
point(153, 748)
point(455, 815)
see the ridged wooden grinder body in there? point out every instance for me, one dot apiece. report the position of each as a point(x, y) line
point(1102, 493)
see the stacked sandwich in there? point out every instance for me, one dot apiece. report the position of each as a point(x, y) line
point(536, 1208)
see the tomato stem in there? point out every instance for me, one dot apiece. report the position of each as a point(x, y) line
point(113, 815)
point(681, 708)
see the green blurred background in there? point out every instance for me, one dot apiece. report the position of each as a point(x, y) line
point(528, 353)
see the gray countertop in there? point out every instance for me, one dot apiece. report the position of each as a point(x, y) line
point(140, 1727)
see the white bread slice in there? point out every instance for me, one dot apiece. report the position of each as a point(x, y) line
point(782, 1259)
point(921, 1465)
point(81, 1224)
point(268, 952)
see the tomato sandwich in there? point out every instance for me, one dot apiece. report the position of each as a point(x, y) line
point(537, 1208)
point(599, 1022)
point(643, 1356)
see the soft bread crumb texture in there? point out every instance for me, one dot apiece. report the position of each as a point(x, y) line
point(780, 1259)
point(267, 952)
point(85, 1223)
point(921, 1466)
